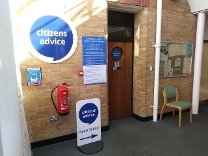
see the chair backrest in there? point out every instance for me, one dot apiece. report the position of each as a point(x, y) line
point(170, 91)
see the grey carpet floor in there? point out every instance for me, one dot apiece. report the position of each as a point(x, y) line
point(130, 137)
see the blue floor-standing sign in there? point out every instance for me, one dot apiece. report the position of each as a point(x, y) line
point(89, 126)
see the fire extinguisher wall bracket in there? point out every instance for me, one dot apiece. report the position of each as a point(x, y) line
point(63, 114)
point(62, 98)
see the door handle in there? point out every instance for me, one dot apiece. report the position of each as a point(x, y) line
point(115, 68)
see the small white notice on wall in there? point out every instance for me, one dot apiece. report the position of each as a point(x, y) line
point(177, 64)
point(178, 49)
point(183, 49)
point(186, 65)
point(171, 50)
point(168, 64)
point(94, 74)
point(168, 72)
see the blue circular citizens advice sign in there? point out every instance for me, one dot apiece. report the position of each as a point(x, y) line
point(51, 39)
point(88, 113)
point(116, 53)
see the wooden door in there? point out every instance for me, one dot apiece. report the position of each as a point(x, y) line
point(120, 79)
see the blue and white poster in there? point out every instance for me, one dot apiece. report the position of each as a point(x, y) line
point(88, 121)
point(51, 38)
point(94, 59)
point(34, 76)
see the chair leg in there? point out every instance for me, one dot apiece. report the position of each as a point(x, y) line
point(179, 119)
point(173, 111)
point(161, 112)
point(191, 115)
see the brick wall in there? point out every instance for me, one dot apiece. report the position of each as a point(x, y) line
point(90, 18)
point(178, 25)
point(204, 74)
point(143, 3)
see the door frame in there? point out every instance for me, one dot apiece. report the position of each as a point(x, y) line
point(128, 21)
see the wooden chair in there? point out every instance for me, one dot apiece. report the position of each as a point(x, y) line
point(172, 92)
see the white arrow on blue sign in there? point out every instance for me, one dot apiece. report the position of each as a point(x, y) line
point(88, 121)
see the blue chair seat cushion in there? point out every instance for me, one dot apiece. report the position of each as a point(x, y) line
point(183, 105)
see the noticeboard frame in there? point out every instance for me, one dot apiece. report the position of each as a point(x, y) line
point(175, 59)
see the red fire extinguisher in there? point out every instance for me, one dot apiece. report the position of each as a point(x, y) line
point(62, 98)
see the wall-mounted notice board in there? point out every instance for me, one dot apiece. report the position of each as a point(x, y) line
point(175, 59)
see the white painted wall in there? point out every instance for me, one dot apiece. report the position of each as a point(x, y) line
point(10, 123)
point(198, 5)
point(206, 29)
point(26, 149)
point(1, 152)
